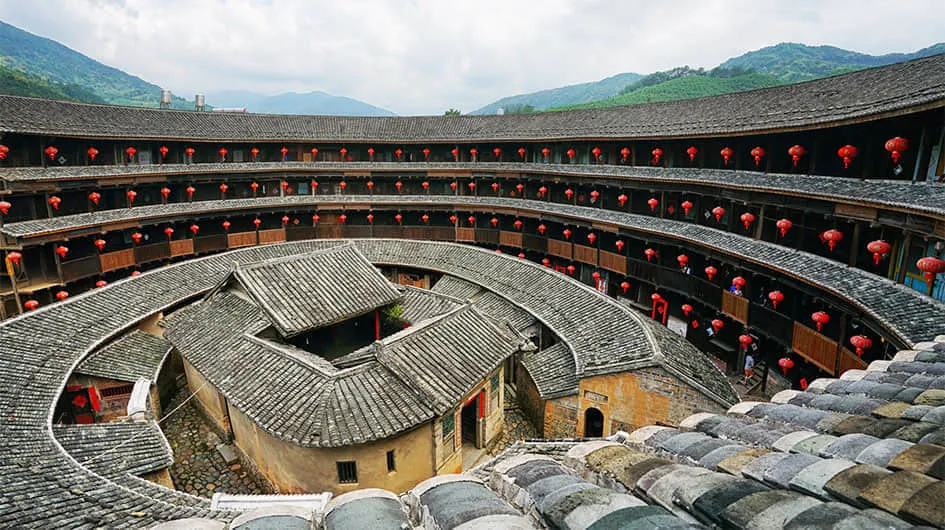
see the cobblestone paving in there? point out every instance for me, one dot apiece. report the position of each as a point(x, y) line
point(515, 428)
point(198, 467)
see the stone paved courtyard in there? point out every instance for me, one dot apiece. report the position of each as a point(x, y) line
point(516, 426)
point(198, 467)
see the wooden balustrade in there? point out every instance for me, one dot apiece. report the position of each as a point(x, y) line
point(535, 243)
point(152, 252)
point(815, 348)
point(465, 234)
point(241, 239)
point(299, 233)
point(613, 262)
point(562, 249)
point(849, 361)
point(735, 306)
point(77, 269)
point(510, 239)
point(487, 235)
point(120, 259)
point(182, 247)
point(585, 254)
point(204, 244)
point(276, 235)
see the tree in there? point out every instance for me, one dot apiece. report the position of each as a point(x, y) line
point(452, 112)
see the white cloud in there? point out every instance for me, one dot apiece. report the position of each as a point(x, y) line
point(423, 56)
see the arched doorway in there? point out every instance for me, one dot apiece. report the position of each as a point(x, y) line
point(593, 423)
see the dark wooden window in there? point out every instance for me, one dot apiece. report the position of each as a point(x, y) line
point(391, 464)
point(116, 390)
point(347, 472)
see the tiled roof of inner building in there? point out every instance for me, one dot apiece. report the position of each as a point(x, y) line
point(137, 355)
point(899, 195)
point(301, 293)
point(40, 349)
point(903, 311)
point(856, 95)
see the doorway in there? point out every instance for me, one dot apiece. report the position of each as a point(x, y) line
point(593, 423)
point(469, 422)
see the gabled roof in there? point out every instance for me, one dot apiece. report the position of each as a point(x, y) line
point(137, 355)
point(301, 293)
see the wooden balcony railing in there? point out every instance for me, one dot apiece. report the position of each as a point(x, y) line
point(182, 247)
point(152, 252)
point(77, 269)
point(585, 254)
point(849, 361)
point(510, 239)
point(465, 234)
point(735, 306)
point(204, 244)
point(241, 239)
point(815, 348)
point(276, 235)
point(613, 262)
point(562, 249)
point(120, 259)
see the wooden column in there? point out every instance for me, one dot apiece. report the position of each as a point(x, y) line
point(761, 222)
point(903, 257)
point(855, 242)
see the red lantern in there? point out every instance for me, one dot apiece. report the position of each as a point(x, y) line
point(569, 193)
point(567, 233)
point(657, 153)
point(453, 185)
point(692, 152)
point(55, 202)
point(473, 153)
point(718, 212)
point(455, 153)
point(820, 318)
point(165, 192)
point(342, 218)
point(596, 276)
point(686, 206)
point(650, 254)
point(594, 195)
point(190, 192)
point(62, 251)
point(521, 255)
point(896, 146)
point(426, 153)
point(314, 153)
point(746, 341)
point(786, 364)
point(314, 186)
point(425, 218)
point(344, 153)
point(757, 153)
point(169, 232)
point(100, 243)
point(625, 286)
point(591, 238)
point(776, 298)
point(747, 218)
point(521, 152)
point(596, 153)
point(31, 305)
point(226, 226)
point(223, 188)
point(571, 269)
point(783, 226)
point(622, 199)
point(625, 153)
point(453, 219)
point(370, 218)
point(738, 282)
point(931, 266)
point(570, 153)
point(254, 186)
point(796, 153)
point(285, 219)
point(686, 309)
point(62, 295)
point(726, 153)
point(131, 194)
point(370, 153)
point(190, 152)
point(94, 197)
point(497, 152)
point(136, 237)
point(15, 257)
point(717, 324)
point(545, 152)
point(135, 273)
point(710, 272)
point(471, 219)
point(653, 203)
point(879, 249)
point(398, 153)
point(546, 262)
point(342, 185)
point(518, 224)
point(683, 260)
point(316, 218)
point(472, 186)
point(5, 206)
point(255, 152)
point(51, 152)
point(194, 228)
point(861, 343)
point(3, 152)
point(541, 229)
point(619, 244)
point(101, 283)
point(832, 237)
point(223, 153)
point(520, 188)
point(93, 152)
point(495, 187)
point(542, 191)
point(285, 185)
point(847, 153)
point(399, 218)
point(694, 324)
point(426, 186)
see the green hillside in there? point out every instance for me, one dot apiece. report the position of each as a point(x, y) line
point(17, 83)
point(48, 60)
point(567, 95)
point(695, 85)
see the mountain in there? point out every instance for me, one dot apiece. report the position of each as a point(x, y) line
point(791, 62)
point(683, 83)
point(18, 83)
point(319, 103)
point(48, 60)
point(567, 95)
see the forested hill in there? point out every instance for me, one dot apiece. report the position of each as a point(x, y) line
point(17, 83)
point(567, 95)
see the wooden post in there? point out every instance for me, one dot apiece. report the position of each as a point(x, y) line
point(903, 257)
point(855, 242)
point(761, 222)
point(918, 155)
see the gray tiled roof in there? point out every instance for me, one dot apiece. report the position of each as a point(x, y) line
point(421, 304)
point(302, 293)
point(501, 309)
point(901, 195)
point(856, 95)
point(116, 448)
point(137, 355)
point(456, 287)
point(552, 370)
point(40, 349)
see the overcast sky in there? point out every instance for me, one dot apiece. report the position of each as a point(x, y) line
point(424, 56)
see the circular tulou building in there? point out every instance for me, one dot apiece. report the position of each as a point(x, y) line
point(363, 312)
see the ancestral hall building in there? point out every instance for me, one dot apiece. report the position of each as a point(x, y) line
point(604, 264)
